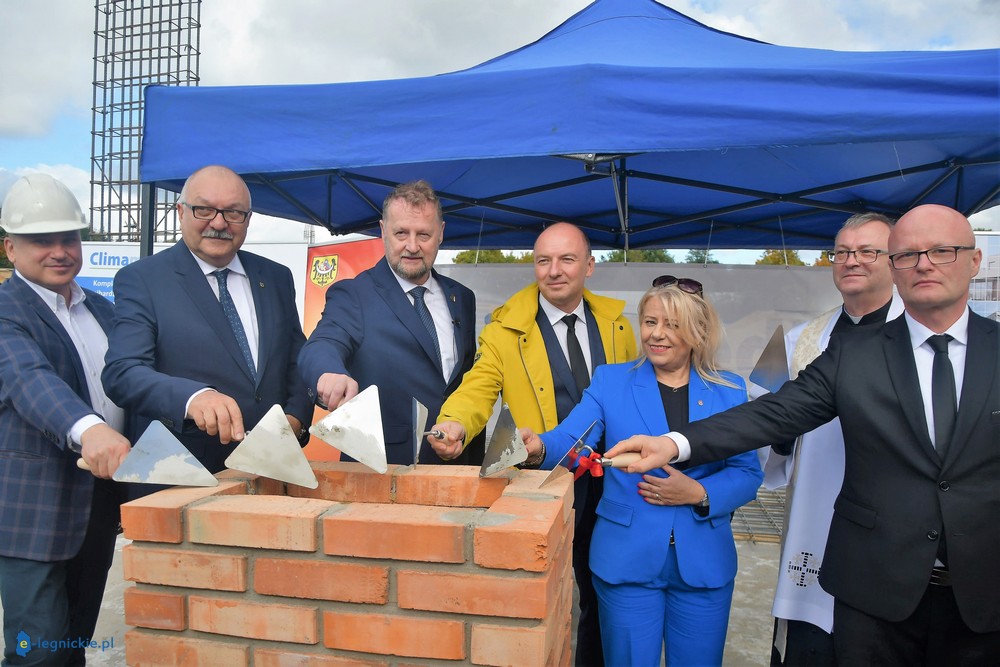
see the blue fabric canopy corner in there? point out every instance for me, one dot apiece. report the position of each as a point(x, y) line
point(643, 126)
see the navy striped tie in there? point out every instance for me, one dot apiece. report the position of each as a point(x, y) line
point(229, 308)
point(425, 316)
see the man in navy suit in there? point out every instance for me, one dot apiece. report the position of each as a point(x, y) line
point(57, 522)
point(206, 335)
point(399, 325)
point(909, 559)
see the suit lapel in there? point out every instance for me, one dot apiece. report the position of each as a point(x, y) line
point(263, 306)
point(982, 368)
point(903, 375)
point(195, 285)
point(452, 297)
point(45, 314)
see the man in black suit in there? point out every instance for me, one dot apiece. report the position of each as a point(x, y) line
point(909, 558)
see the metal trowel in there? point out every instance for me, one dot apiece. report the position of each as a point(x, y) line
point(355, 428)
point(506, 448)
point(419, 421)
point(158, 457)
point(270, 449)
point(771, 370)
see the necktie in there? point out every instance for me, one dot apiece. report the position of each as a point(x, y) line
point(425, 316)
point(943, 398)
point(577, 362)
point(229, 308)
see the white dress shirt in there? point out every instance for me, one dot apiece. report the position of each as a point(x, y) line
point(91, 344)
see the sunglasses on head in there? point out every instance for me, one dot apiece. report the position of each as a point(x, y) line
point(684, 284)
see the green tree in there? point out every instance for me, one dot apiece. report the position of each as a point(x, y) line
point(491, 256)
point(700, 256)
point(645, 255)
point(781, 257)
point(822, 260)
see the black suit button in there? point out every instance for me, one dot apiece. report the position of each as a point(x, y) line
point(258, 398)
point(932, 535)
point(944, 486)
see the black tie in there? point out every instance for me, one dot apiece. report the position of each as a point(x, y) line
point(943, 397)
point(425, 316)
point(577, 362)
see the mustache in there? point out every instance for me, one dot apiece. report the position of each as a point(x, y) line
point(217, 234)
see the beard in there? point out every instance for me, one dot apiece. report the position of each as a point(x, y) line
point(414, 274)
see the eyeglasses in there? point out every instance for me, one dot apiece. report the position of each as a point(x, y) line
point(863, 256)
point(945, 254)
point(231, 215)
point(684, 284)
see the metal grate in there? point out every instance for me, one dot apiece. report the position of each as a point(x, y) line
point(761, 520)
point(136, 43)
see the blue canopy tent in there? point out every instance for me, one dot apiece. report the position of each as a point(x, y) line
point(643, 126)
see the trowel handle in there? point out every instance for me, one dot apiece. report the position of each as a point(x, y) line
point(82, 465)
point(621, 461)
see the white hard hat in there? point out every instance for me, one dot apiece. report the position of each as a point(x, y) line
point(39, 204)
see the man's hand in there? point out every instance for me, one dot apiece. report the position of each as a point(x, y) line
point(675, 489)
point(452, 444)
point(334, 389)
point(532, 442)
point(655, 451)
point(217, 414)
point(103, 450)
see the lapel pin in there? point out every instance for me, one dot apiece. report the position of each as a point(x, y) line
point(453, 298)
point(703, 402)
point(261, 283)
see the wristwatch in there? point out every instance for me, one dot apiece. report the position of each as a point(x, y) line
point(703, 502)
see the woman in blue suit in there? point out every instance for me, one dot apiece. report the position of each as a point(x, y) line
point(662, 554)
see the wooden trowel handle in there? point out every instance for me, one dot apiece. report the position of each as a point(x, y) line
point(622, 460)
point(81, 464)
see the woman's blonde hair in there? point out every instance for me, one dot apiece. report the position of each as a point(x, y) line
point(697, 324)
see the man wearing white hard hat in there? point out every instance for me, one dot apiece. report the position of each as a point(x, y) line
point(57, 522)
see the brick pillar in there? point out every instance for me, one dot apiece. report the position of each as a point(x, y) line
point(426, 565)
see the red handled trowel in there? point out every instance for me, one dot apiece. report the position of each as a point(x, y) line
point(270, 449)
point(355, 428)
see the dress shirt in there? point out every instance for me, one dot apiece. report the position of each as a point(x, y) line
point(561, 329)
point(923, 355)
point(91, 344)
point(437, 305)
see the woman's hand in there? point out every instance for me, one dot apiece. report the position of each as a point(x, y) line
point(674, 489)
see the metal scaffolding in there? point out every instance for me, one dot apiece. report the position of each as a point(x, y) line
point(136, 43)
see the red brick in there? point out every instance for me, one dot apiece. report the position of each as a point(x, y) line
point(264, 657)
point(347, 482)
point(483, 595)
point(508, 646)
point(235, 617)
point(157, 517)
point(153, 649)
point(400, 532)
point(191, 569)
point(407, 636)
point(265, 522)
point(448, 486)
point(319, 580)
point(520, 533)
point(526, 484)
point(153, 608)
point(256, 485)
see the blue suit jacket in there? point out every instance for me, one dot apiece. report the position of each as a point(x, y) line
point(171, 338)
point(44, 498)
point(370, 331)
point(631, 537)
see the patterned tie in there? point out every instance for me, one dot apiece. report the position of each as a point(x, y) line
point(229, 308)
point(943, 400)
point(577, 362)
point(425, 316)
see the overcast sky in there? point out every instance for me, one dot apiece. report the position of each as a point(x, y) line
point(46, 52)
